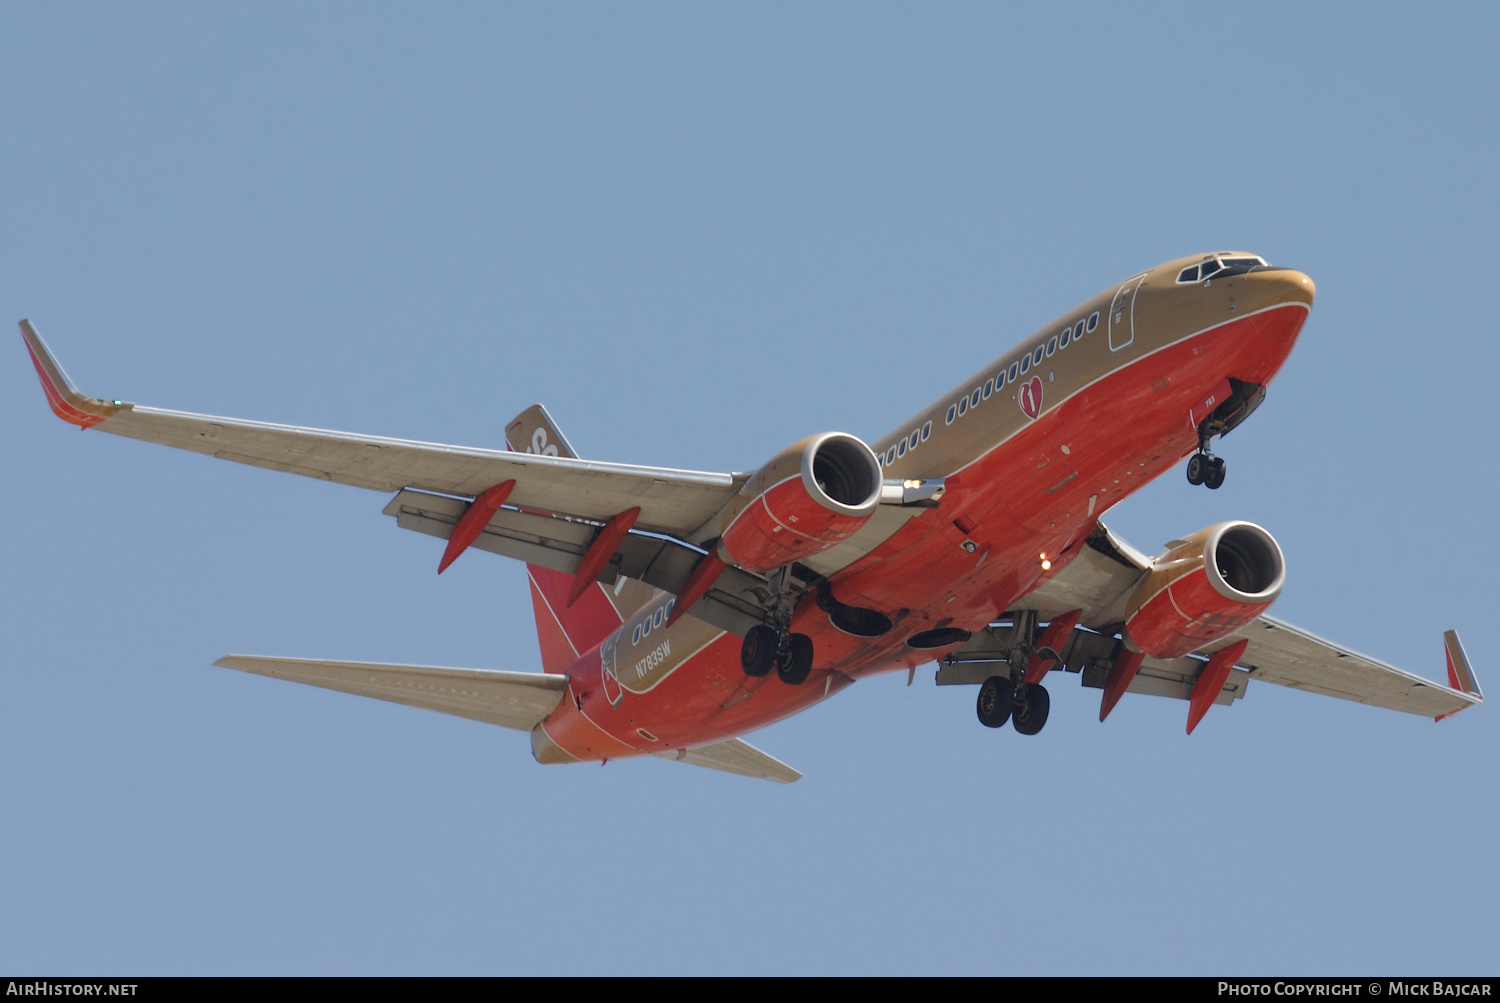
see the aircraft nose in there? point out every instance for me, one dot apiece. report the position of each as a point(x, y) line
point(1284, 285)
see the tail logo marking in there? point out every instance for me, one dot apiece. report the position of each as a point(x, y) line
point(539, 443)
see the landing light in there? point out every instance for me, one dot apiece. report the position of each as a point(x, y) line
point(909, 485)
point(1046, 564)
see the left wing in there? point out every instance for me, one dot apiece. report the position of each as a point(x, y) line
point(674, 502)
point(1100, 580)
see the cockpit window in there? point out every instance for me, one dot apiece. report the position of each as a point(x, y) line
point(1241, 264)
point(1220, 265)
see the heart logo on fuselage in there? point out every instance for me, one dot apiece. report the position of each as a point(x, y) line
point(1031, 397)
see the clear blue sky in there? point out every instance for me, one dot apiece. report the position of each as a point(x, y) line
point(698, 233)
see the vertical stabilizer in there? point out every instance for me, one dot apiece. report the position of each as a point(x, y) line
point(566, 631)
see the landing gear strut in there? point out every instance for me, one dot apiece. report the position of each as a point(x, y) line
point(1010, 697)
point(1243, 398)
point(773, 645)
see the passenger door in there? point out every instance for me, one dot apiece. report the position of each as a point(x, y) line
point(1122, 314)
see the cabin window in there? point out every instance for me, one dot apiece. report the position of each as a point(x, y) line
point(900, 449)
point(890, 454)
point(1015, 370)
point(915, 437)
point(974, 398)
point(1051, 346)
point(963, 407)
point(1036, 357)
point(1093, 321)
point(635, 635)
point(926, 431)
point(1025, 364)
point(1067, 336)
point(989, 388)
point(1078, 330)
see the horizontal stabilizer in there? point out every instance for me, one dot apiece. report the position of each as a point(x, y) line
point(735, 756)
point(517, 700)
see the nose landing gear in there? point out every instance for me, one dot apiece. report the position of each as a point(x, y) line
point(1205, 468)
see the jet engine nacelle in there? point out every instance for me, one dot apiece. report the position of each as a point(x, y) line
point(1203, 588)
point(812, 496)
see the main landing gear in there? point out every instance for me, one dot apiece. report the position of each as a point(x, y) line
point(1204, 467)
point(1024, 705)
point(790, 654)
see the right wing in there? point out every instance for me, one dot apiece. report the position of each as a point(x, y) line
point(674, 502)
point(1100, 580)
point(1290, 656)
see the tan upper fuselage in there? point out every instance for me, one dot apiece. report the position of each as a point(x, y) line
point(1159, 313)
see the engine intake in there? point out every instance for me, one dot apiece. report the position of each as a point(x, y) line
point(811, 497)
point(1204, 588)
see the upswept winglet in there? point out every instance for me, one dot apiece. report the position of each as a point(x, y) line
point(64, 399)
point(1460, 674)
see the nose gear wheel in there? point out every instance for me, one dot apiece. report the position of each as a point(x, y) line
point(1207, 469)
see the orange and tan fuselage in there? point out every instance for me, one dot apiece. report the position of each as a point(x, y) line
point(1034, 449)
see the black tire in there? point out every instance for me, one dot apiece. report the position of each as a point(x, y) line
point(1030, 713)
point(996, 697)
point(1195, 468)
point(794, 666)
point(758, 650)
point(1215, 475)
